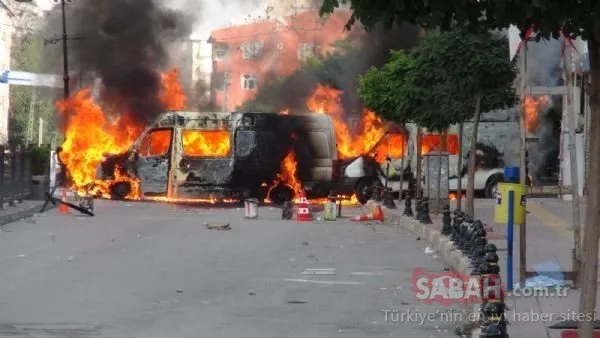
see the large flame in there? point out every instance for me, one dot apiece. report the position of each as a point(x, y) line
point(371, 139)
point(532, 108)
point(91, 134)
point(433, 143)
point(207, 143)
point(327, 100)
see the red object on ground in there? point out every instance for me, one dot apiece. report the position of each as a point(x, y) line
point(303, 214)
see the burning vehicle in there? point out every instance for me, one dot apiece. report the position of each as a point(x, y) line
point(197, 155)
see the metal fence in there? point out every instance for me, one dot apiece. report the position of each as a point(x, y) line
point(15, 175)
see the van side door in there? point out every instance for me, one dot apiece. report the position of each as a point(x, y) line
point(153, 161)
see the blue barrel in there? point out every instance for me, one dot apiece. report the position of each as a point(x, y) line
point(511, 174)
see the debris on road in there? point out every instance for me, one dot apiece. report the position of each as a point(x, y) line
point(252, 293)
point(70, 258)
point(305, 243)
point(21, 256)
point(218, 226)
point(327, 271)
point(296, 302)
point(179, 290)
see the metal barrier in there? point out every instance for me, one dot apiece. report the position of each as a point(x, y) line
point(15, 175)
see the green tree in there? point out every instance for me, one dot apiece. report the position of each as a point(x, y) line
point(27, 55)
point(389, 90)
point(550, 17)
point(449, 78)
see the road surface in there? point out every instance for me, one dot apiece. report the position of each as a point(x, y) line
point(153, 270)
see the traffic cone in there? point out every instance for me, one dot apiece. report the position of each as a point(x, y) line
point(63, 208)
point(361, 218)
point(303, 214)
point(377, 214)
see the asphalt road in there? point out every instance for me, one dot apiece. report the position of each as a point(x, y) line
point(154, 270)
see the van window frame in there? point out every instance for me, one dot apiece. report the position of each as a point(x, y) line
point(148, 133)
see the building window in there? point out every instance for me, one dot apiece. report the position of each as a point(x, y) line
point(306, 51)
point(219, 81)
point(251, 49)
point(249, 82)
point(221, 52)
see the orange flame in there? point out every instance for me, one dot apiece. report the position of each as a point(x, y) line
point(532, 108)
point(91, 134)
point(433, 142)
point(327, 100)
point(288, 173)
point(207, 143)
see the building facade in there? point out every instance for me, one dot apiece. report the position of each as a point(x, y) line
point(245, 56)
point(6, 19)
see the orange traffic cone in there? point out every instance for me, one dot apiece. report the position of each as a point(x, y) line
point(63, 208)
point(362, 218)
point(377, 214)
point(303, 214)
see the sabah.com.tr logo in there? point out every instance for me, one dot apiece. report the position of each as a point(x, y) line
point(449, 287)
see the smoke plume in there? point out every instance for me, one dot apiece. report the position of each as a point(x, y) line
point(125, 43)
point(341, 70)
point(543, 69)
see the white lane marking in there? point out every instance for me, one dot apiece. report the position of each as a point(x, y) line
point(321, 281)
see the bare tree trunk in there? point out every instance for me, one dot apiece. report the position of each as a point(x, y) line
point(459, 168)
point(589, 268)
point(472, 157)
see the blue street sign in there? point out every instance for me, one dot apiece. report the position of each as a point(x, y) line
point(4, 76)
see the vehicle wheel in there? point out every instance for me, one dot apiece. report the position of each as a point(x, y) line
point(491, 187)
point(364, 189)
point(280, 194)
point(120, 190)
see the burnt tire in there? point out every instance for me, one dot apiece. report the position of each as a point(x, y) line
point(491, 187)
point(364, 189)
point(280, 194)
point(120, 190)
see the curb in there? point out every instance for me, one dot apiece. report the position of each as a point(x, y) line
point(22, 211)
point(453, 258)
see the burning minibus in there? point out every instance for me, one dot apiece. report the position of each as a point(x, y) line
point(188, 155)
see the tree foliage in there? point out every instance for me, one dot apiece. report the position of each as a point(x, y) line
point(576, 18)
point(436, 84)
point(389, 90)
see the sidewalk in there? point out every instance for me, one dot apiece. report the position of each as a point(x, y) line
point(21, 210)
point(549, 239)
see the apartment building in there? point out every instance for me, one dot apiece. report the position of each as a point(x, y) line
point(244, 56)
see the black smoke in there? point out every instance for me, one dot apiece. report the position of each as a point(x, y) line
point(125, 43)
point(340, 70)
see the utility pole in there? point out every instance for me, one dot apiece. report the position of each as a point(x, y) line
point(30, 118)
point(65, 56)
point(40, 132)
point(522, 157)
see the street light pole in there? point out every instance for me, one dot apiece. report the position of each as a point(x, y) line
point(65, 57)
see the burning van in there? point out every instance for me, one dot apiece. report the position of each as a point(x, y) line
point(197, 155)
